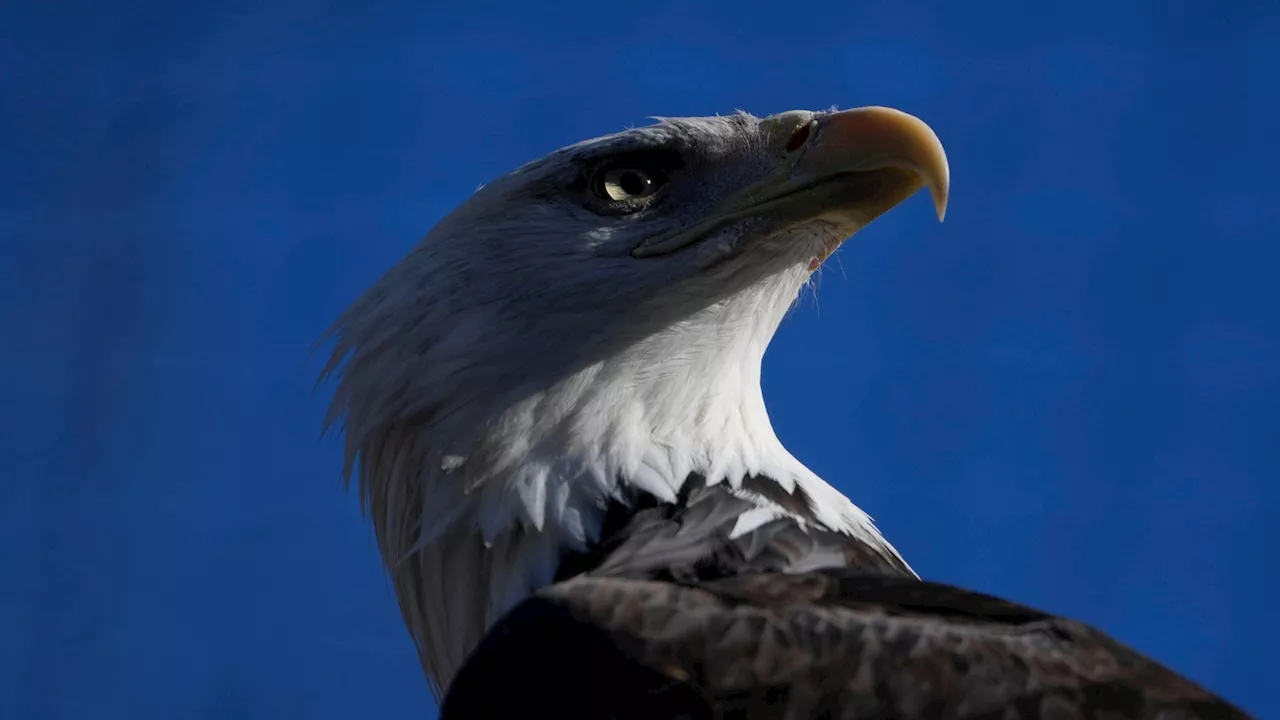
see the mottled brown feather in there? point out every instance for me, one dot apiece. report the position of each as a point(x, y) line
point(680, 620)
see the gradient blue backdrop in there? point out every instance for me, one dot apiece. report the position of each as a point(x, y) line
point(1069, 393)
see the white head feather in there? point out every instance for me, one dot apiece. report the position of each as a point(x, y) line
point(502, 383)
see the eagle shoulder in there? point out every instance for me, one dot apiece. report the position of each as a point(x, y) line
point(676, 617)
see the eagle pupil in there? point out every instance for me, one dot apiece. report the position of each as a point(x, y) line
point(634, 183)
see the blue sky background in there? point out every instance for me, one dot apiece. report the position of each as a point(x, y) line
point(1067, 394)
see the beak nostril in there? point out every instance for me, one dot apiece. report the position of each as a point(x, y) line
point(799, 137)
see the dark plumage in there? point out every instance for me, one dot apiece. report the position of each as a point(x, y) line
point(677, 620)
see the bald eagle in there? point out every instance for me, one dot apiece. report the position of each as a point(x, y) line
point(552, 408)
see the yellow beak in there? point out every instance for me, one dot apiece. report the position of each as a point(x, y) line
point(850, 167)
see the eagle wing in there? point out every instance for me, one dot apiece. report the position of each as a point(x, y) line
point(677, 617)
point(829, 643)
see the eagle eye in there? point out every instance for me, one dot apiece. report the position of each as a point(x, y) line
point(628, 184)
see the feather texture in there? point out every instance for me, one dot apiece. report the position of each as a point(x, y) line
point(679, 620)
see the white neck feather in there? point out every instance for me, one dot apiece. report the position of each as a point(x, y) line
point(686, 400)
point(475, 505)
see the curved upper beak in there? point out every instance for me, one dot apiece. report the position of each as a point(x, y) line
point(850, 167)
point(876, 138)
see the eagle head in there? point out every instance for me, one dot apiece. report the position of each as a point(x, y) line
point(592, 324)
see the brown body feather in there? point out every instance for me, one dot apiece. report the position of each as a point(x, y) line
point(681, 620)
